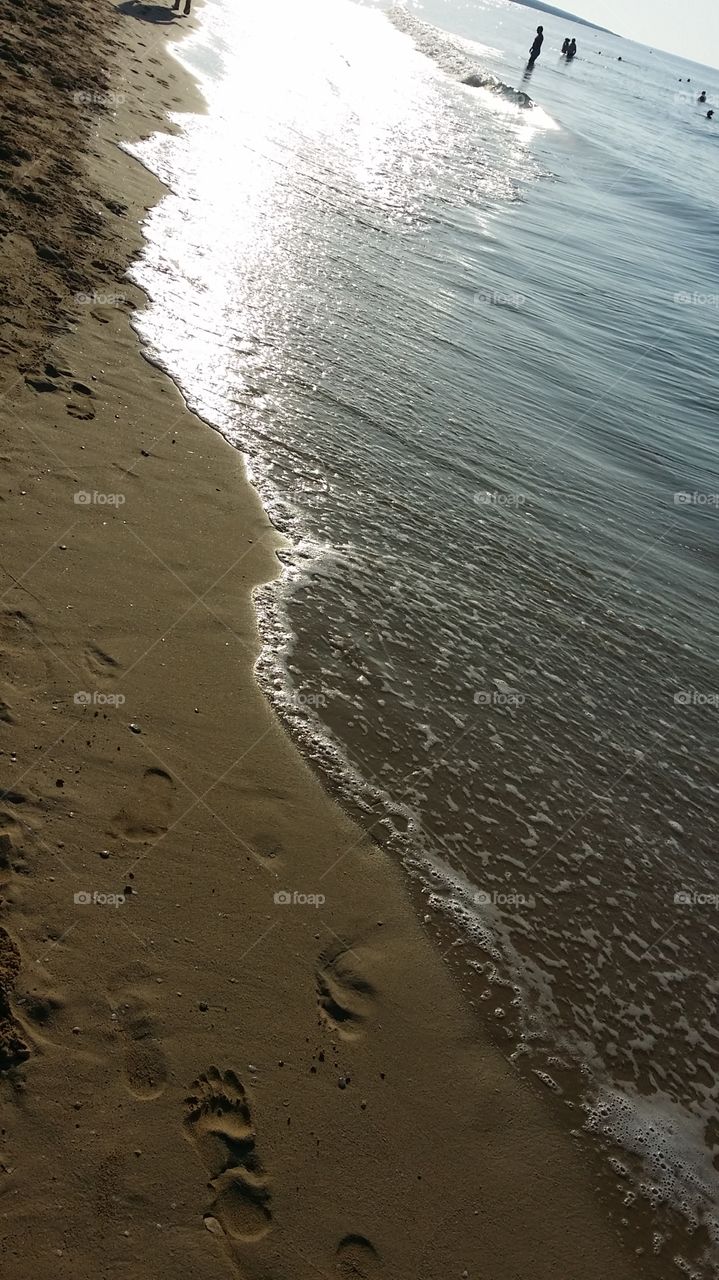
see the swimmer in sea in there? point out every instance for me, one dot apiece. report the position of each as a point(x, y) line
point(536, 48)
point(710, 115)
point(703, 96)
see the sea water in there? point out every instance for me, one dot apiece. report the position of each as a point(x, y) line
point(462, 320)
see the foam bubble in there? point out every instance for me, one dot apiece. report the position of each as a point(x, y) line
point(670, 1143)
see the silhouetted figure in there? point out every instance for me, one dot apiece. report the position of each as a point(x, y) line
point(710, 115)
point(703, 95)
point(536, 48)
point(571, 51)
point(186, 10)
point(565, 46)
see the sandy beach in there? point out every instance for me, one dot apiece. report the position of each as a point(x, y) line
point(228, 1045)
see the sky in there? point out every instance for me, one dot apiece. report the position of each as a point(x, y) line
point(687, 27)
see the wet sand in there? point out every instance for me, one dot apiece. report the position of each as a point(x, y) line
point(199, 1078)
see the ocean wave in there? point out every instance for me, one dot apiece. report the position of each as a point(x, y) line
point(453, 57)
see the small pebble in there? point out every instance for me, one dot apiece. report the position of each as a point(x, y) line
point(203, 1006)
point(135, 728)
point(104, 853)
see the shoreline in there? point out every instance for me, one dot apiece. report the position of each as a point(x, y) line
point(316, 1066)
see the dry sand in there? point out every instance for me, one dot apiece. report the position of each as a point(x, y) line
point(200, 1081)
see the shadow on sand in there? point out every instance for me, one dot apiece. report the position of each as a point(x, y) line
point(147, 12)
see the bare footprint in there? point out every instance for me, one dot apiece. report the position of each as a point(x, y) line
point(22, 662)
point(356, 1257)
point(269, 850)
point(344, 997)
point(148, 814)
point(80, 412)
point(100, 663)
point(219, 1124)
point(10, 862)
point(13, 1049)
point(144, 1064)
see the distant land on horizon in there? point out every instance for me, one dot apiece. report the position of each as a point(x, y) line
point(562, 13)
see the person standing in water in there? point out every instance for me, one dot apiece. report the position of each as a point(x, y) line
point(571, 51)
point(176, 7)
point(536, 48)
point(565, 46)
point(703, 95)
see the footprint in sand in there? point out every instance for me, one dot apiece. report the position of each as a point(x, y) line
point(344, 997)
point(269, 850)
point(100, 663)
point(148, 814)
point(79, 411)
point(13, 1049)
point(10, 862)
point(6, 715)
point(22, 662)
point(356, 1257)
point(218, 1122)
point(144, 1064)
